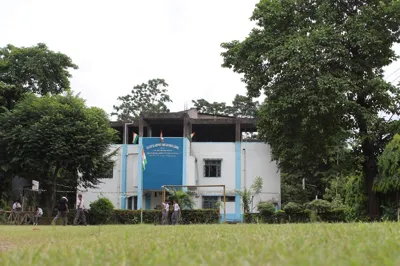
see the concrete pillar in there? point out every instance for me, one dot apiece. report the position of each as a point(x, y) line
point(185, 126)
point(238, 133)
point(149, 131)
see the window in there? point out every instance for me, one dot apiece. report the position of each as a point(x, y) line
point(132, 203)
point(228, 198)
point(212, 168)
point(210, 202)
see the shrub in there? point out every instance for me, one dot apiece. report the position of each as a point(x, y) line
point(154, 216)
point(101, 211)
point(319, 206)
point(266, 208)
point(293, 208)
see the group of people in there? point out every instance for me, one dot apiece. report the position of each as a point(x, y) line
point(165, 212)
point(62, 211)
point(17, 208)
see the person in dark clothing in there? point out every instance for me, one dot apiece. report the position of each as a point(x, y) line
point(62, 210)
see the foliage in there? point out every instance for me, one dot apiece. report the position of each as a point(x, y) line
point(32, 69)
point(242, 106)
point(319, 206)
point(64, 142)
point(247, 195)
point(335, 192)
point(389, 168)
point(292, 190)
point(321, 69)
point(101, 210)
point(266, 209)
point(150, 97)
point(183, 198)
point(293, 208)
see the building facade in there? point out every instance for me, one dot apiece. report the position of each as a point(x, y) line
point(216, 155)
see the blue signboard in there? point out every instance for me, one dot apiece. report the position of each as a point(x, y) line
point(164, 162)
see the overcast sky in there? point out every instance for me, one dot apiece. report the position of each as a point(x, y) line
point(118, 44)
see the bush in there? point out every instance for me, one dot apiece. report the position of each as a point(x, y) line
point(101, 211)
point(293, 208)
point(266, 208)
point(319, 206)
point(154, 216)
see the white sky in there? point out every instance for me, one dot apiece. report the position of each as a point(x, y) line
point(118, 44)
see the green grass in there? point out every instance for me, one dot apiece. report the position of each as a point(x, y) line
point(289, 244)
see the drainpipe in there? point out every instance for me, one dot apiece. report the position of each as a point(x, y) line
point(244, 168)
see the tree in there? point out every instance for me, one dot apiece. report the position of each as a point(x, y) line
point(183, 198)
point(32, 69)
point(247, 194)
point(150, 97)
point(242, 106)
point(215, 108)
point(320, 63)
point(56, 140)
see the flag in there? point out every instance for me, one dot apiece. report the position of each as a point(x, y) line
point(144, 160)
point(191, 136)
point(135, 138)
point(161, 137)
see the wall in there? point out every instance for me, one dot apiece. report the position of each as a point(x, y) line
point(215, 150)
point(256, 161)
point(109, 188)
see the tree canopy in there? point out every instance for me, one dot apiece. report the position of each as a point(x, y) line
point(150, 97)
point(56, 140)
point(320, 65)
point(32, 69)
point(242, 106)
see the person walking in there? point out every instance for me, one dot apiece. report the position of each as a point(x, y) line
point(165, 212)
point(175, 214)
point(80, 211)
point(39, 213)
point(62, 210)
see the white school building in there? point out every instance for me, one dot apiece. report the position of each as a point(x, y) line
point(216, 155)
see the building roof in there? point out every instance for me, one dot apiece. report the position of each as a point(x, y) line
point(193, 117)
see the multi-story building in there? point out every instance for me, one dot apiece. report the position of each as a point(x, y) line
point(217, 154)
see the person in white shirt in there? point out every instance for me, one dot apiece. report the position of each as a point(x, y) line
point(165, 212)
point(175, 214)
point(39, 213)
point(80, 211)
point(16, 206)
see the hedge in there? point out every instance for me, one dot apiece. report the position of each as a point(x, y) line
point(305, 216)
point(202, 216)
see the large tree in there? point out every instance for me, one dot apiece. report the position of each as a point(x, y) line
point(320, 64)
point(23, 70)
point(56, 140)
point(32, 69)
point(151, 97)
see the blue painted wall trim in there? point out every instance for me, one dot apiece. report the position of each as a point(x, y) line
point(140, 175)
point(124, 173)
point(148, 201)
point(184, 161)
point(238, 179)
point(231, 217)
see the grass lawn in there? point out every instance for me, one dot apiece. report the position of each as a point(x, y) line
point(240, 244)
